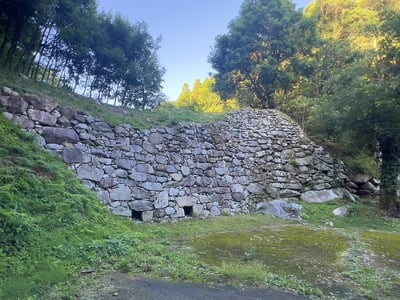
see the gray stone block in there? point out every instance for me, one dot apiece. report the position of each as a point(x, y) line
point(186, 201)
point(90, 173)
point(141, 205)
point(121, 193)
point(57, 135)
point(75, 156)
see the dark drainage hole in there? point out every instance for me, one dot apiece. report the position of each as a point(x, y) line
point(188, 211)
point(137, 215)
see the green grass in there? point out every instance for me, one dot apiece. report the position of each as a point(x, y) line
point(51, 227)
point(299, 252)
point(362, 215)
point(164, 116)
point(386, 245)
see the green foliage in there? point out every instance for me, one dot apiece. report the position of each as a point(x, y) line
point(349, 99)
point(362, 216)
point(17, 231)
point(364, 163)
point(258, 56)
point(203, 99)
point(357, 22)
point(165, 115)
point(68, 43)
point(51, 226)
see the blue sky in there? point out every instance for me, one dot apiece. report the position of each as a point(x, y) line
point(188, 30)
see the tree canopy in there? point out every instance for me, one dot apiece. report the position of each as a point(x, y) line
point(350, 100)
point(257, 56)
point(69, 44)
point(203, 98)
point(366, 101)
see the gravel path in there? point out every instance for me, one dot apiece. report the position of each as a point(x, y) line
point(124, 287)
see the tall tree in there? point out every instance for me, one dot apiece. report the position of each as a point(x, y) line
point(127, 68)
point(386, 111)
point(305, 101)
point(254, 58)
point(203, 98)
point(354, 21)
point(364, 101)
point(67, 43)
point(16, 18)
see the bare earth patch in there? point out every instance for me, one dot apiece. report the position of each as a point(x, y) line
point(120, 286)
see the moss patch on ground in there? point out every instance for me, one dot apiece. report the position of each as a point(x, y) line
point(309, 254)
point(386, 246)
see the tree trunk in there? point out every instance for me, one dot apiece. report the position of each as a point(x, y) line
point(39, 52)
point(62, 79)
point(5, 36)
point(19, 26)
point(390, 178)
point(271, 102)
point(28, 51)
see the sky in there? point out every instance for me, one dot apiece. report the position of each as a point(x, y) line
point(187, 29)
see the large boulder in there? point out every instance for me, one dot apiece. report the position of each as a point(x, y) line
point(153, 186)
point(122, 211)
point(198, 211)
point(14, 105)
point(23, 121)
point(161, 200)
point(41, 103)
point(186, 201)
point(156, 138)
point(101, 127)
point(126, 164)
point(68, 113)
point(281, 208)
point(42, 117)
point(360, 178)
point(140, 194)
point(322, 196)
point(58, 135)
point(8, 92)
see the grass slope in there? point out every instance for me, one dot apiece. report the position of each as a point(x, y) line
point(51, 227)
point(164, 116)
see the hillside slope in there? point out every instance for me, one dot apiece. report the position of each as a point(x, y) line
point(51, 227)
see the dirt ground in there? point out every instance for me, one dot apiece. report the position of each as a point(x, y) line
point(124, 287)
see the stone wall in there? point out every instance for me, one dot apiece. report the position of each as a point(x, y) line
point(196, 170)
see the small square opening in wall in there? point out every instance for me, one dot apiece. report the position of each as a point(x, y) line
point(137, 215)
point(188, 211)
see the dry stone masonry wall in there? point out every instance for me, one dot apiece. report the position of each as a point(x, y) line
point(193, 170)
